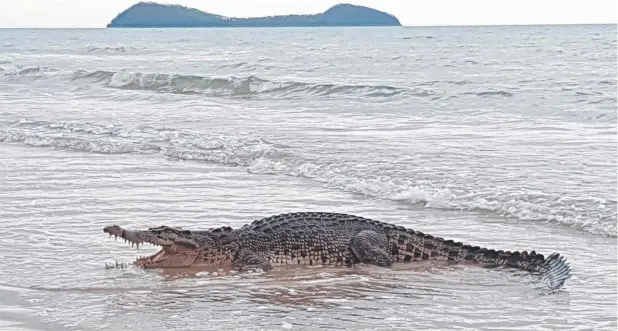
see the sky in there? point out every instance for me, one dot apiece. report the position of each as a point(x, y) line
point(97, 13)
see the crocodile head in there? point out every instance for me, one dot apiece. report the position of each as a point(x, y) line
point(179, 248)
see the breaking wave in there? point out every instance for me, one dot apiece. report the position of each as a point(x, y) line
point(242, 87)
point(250, 86)
point(11, 70)
point(258, 156)
point(232, 87)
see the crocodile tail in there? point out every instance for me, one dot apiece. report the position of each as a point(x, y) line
point(554, 269)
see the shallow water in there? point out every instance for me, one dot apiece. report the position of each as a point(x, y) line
point(501, 136)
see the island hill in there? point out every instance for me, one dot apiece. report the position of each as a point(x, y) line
point(155, 15)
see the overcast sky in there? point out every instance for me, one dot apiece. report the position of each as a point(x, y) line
point(97, 13)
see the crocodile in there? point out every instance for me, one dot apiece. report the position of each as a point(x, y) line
point(323, 238)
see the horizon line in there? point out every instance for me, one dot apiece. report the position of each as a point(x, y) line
point(313, 27)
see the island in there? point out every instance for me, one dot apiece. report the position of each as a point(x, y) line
point(156, 15)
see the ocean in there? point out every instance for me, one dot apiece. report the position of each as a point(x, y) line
point(503, 137)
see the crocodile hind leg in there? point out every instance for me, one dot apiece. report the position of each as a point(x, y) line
point(370, 247)
point(248, 260)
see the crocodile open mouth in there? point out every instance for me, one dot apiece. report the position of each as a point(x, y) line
point(174, 252)
point(145, 261)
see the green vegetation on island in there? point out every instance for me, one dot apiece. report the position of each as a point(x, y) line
point(150, 14)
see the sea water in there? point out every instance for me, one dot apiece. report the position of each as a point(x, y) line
point(503, 137)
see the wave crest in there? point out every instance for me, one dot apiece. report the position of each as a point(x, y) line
point(262, 157)
point(250, 86)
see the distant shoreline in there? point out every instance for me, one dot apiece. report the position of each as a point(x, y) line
point(155, 15)
point(402, 26)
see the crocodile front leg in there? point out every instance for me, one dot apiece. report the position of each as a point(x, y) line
point(370, 247)
point(248, 260)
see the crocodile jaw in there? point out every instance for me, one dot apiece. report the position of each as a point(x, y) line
point(177, 250)
point(169, 257)
point(174, 252)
